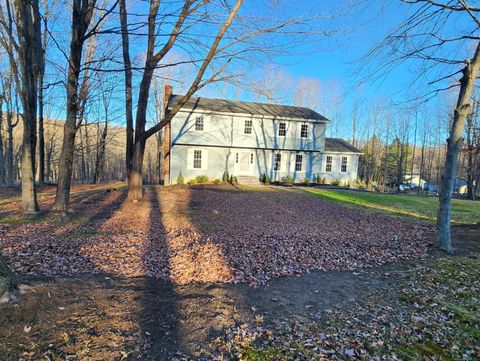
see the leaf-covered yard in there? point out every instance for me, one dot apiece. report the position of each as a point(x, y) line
point(171, 278)
point(434, 314)
point(207, 234)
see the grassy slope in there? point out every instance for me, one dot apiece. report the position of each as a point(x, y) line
point(463, 211)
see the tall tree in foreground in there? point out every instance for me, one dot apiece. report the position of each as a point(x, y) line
point(83, 29)
point(454, 143)
point(431, 36)
point(29, 55)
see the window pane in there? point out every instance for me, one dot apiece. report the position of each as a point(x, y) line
point(344, 164)
point(304, 131)
point(199, 123)
point(197, 159)
point(282, 129)
point(278, 162)
point(248, 126)
point(298, 162)
point(328, 167)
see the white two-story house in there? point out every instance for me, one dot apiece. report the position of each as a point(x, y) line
point(211, 136)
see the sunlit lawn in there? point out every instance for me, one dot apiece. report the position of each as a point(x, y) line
point(463, 211)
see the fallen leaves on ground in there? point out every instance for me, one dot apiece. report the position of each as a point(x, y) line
point(208, 234)
point(436, 316)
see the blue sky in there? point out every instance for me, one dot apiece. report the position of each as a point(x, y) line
point(333, 61)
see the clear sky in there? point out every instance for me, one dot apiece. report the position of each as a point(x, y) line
point(334, 61)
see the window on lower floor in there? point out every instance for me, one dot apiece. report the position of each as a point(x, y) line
point(344, 164)
point(236, 158)
point(278, 162)
point(298, 162)
point(251, 158)
point(328, 167)
point(248, 127)
point(197, 159)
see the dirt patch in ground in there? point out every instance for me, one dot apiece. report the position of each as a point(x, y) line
point(207, 234)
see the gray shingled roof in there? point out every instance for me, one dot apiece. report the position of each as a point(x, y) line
point(339, 145)
point(234, 106)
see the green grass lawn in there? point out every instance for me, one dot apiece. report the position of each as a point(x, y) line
point(463, 211)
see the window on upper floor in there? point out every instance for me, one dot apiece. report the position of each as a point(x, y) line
point(248, 126)
point(282, 129)
point(298, 162)
point(277, 162)
point(328, 167)
point(197, 159)
point(344, 164)
point(304, 131)
point(199, 124)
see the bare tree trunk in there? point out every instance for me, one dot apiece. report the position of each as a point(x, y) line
point(470, 73)
point(10, 165)
point(41, 76)
point(128, 87)
point(28, 25)
point(135, 181)
point(41, 133)
point(100, 159)
point(2, 158)
point(81, 16)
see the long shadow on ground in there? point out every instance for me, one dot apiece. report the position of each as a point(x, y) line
point(109, 318)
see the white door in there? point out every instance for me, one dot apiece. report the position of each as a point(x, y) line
point(244, 163)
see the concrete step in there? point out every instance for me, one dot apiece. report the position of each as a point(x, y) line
point(248, 180)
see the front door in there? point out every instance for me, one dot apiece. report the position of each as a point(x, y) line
point(245, 163)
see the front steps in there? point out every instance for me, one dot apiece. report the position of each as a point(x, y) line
point(248, 180)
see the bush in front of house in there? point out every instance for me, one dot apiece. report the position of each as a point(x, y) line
point(192, 182)
point(361, 184)
point(217, 181)
point(306, 181)
point(262, 178)
point(318, 179)
point(288, 180)
point(336, 183)
point(180, 179)
point(347, 184)
point(267, 179)
point(233, 179)
point(201, 179)
point(225, 177)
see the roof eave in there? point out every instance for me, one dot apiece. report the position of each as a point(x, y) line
point(204, 111)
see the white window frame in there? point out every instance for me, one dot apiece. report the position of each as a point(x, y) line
point(197, 157)
point(277, 165)
point(329, 164)
point(304, 130)
point(199, 123)
point(282, 128)
point(343, 167)
point(297, 162)
point(248, 126)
